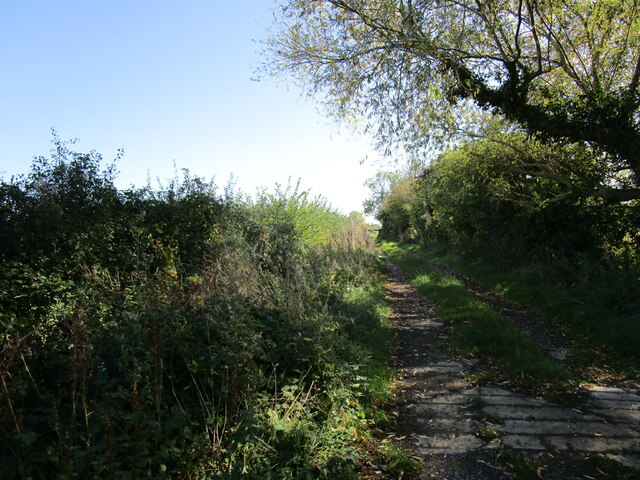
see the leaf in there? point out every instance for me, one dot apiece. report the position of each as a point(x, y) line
point(27, 438)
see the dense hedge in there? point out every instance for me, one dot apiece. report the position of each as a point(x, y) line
point(484, 198)
point(178, 332)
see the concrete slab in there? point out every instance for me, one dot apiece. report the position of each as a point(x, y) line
point(595, 444)
point(629, 461)
point(623, 416)
point(448, 425)
point(603, 390)
point(428, 410)
point(523, 442)
point(557, 355)
point(537, 413)
point(616, 404)
point(495, 391)
point(506, 400)
point(473, 391)
point(448, 444)
point(449, 399)
point(553, 427)
point(431, 369)
point(432, 324)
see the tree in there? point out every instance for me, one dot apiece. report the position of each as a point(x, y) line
point(402, 213)
point(563, 69)
point(356, 218)
point(480, 202)
point(379, 187)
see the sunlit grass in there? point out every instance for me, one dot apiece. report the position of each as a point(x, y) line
point(598, 312)
point(477, 329)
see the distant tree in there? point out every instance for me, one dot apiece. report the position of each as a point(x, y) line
point(565, 70)
point(357, 217)
point(379, 188)
point(402, 212)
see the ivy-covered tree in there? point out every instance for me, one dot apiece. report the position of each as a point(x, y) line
point(562, 69)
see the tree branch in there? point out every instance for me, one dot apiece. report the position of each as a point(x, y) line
point(633, 85)
point(618, 195)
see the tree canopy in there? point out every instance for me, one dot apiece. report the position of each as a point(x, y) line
point(566, 70)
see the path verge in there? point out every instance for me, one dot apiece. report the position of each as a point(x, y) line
point(461, 428)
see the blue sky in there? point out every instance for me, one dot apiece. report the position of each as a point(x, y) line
point(167, 81)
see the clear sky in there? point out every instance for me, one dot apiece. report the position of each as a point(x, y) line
point(166, 81)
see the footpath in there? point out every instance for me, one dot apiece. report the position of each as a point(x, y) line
point(459, 429)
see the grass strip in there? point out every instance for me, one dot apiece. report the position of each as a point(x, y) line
point(585, 308)
point(477, 329)
point(371, 339)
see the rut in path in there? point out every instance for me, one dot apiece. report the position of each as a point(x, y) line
point(461, 430)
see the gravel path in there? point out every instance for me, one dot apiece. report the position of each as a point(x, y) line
point(463, 430)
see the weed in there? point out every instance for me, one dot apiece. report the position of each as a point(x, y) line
point(397, 462)
point(484, 376)
point(520, 466)
point(477, 404)
point(487, 432)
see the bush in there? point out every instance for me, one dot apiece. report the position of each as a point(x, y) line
point(168, 333)
point(512, 197)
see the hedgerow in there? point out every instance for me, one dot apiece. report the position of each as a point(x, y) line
point(179, 332)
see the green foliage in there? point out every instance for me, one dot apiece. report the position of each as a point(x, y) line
point(176, 333)
point(512, 198)
point(356, 217)
point(395, 201)
point(421, 72)
point(379, 187)
point(400, 211)
point(479, 195)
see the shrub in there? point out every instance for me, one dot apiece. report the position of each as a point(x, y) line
point(168, 333)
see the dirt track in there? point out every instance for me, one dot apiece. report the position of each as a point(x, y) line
point(464, 430)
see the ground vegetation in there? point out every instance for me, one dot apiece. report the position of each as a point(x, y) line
point(182, 331)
